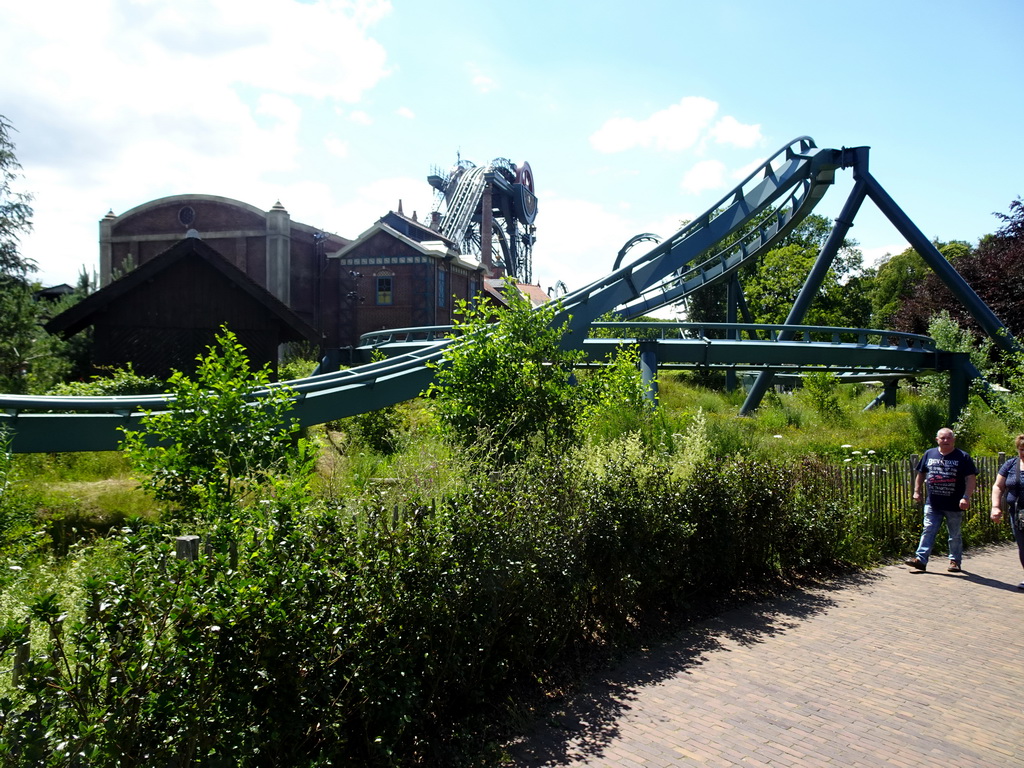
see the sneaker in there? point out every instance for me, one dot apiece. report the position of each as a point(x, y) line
point(954, 566)
point(1021, 585)
point(915, 562)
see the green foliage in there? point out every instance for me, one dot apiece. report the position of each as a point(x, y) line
point(15, 208)
point(966, 429)
point(30, 359)
point(950, 336)
point(216, 433)
point(19, 532)
point(381, 430)
point(781, 273)
point(112, 382)
point(398, 623)
point(509, 385)
point(300, 360)
point(696, 447)
point(895, 281)
point(822, 390)
point(618, 402)
point(928, 417)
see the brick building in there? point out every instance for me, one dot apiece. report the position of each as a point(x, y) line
point(399, 273)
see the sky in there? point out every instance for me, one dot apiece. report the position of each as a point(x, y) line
point(634, 116)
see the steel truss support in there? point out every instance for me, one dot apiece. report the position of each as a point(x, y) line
point(865, 185)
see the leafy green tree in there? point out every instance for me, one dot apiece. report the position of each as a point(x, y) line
point(15, 209)
point(773, 287)
point(917, 296)
point(216, 434)
point(895, 280)
point(508, 384)
point(17, 315)
point(30, 359)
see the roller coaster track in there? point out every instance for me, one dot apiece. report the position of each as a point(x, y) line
point(464, 202)
point(750, 219)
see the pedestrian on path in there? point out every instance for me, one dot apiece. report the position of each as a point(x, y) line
point(1008, 482)
point(950, 477)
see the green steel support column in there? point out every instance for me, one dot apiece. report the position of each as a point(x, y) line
point(960, 375)
point(979, 310)
point(889, 393)
point(735, 292)
point(649, 368)
point(812, 284)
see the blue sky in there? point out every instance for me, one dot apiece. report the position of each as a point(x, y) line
point(634, 116)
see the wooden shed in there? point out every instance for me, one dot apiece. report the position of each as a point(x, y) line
point(165, 313)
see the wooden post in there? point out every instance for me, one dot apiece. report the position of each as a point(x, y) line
point(187, 547)
point(21, 653)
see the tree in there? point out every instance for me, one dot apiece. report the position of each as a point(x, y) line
point(15, 210)
point(216, 436)
point(509, 384)
point(18, 327)
point(993, 270)
point(772, 288)
point(29, 357)
point(895, 280)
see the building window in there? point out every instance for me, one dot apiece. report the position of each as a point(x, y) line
point(187, 216)
point(384, 291)
point(442, 289)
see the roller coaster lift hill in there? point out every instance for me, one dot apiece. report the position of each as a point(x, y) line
point(750, 220)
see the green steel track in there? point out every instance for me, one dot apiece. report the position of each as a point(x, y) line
point(751, 219)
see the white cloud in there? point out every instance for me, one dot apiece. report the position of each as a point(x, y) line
point(729, 130)
point(359, 117)
point(617, 135)
point(480, 81)
point(580, 255)
point(117, 102)
point(674, 129)
point(336, 147)
point(368, 203)
point(686, 125)
point(405, 112)
point(743, 172)
point(707, 174)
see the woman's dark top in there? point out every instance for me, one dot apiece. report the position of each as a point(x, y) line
point(1011, 471)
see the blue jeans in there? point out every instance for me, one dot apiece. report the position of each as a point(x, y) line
point(1018, 534)
point(932, 521)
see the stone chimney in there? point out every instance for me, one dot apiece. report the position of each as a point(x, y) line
point(106, 247)
point(279, 253)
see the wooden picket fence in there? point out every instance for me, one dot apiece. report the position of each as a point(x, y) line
point(883, 492)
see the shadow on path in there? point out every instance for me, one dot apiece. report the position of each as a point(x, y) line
point(589, 723)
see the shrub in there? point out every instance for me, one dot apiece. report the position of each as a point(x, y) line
point(115, 381)
point(822, 390)
point(217, 432)
point(510, 384)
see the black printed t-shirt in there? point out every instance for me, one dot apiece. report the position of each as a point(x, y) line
point(945, 477)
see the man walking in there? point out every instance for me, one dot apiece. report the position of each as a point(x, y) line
point(950, 477)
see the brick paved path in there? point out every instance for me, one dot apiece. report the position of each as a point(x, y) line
point(891, 667)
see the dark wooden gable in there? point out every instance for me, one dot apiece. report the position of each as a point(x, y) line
point(165, 313)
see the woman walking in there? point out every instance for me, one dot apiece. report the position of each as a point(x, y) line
point(1008, 480)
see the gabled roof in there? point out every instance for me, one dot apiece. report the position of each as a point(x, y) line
point(495, 287)
point(413, 227)
point(82, 314)
point(439, 248)
point(54, 292)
